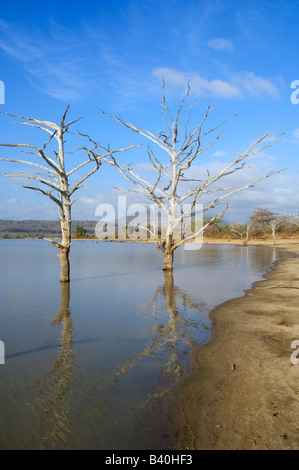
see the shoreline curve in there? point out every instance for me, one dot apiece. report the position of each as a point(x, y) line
point(242, 391)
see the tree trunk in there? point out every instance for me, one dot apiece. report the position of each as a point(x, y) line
point(168, 255)
point(64, 263)
point(274, 235)
point(65, 223)
point(168, 260)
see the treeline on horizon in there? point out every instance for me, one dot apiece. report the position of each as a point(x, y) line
point(41, 228)
point(262, 223)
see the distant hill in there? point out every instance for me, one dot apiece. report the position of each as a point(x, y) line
point(51, 228)
point(40, 228)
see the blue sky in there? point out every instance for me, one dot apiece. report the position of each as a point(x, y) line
point(240, 57)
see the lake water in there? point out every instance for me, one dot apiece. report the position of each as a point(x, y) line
point(88, 366)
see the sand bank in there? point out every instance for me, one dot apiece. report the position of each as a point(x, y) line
point(243, 390)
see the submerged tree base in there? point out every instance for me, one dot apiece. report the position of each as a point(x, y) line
point(65, 264)
point(168, 261)
point(167, 268)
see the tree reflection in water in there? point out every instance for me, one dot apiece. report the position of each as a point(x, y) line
point(51, 390)
point(170, 339)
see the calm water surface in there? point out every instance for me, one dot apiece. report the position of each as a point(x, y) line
point(88, 365)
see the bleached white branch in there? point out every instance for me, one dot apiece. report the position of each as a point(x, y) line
point(26, 162)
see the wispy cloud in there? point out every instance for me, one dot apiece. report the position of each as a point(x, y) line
point(221, 44)
point(51, 61)
point(239, 85)
point(200, 86)
point(296, 133)
point(220, 153)
point(255, 86)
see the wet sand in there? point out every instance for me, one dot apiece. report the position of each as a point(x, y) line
point(243, 390)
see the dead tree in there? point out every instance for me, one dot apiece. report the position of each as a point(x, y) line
point(170, 189)
point(275, 226)
point(266, 220)
point(290, 219)
point(55, 179)
point(241, 232)
point(248, 228)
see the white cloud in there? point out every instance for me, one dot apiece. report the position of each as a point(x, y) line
point(220, 153)
point(199, 85)
point(296, 133)
point(221, 44)
point(240, 84)
point(254, 85)
point(148, 167)
point(173, 77)
point(220, 88)
point(25, 208)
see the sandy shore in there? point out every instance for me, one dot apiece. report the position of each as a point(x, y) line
point(243, 393)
